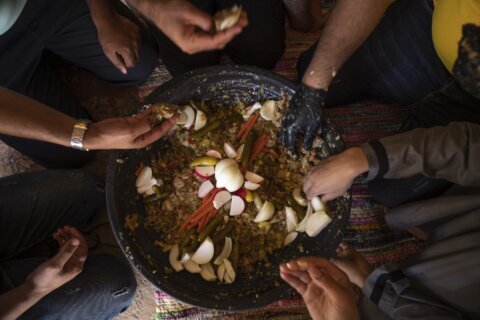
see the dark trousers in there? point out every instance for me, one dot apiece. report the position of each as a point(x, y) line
point(64, 29)
point(260, 44)
point(398, 63)
point(32, 207)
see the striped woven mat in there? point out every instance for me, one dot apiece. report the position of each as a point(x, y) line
point(367, 230)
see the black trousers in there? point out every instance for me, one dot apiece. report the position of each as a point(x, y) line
point(260, 44)
point(64, 29)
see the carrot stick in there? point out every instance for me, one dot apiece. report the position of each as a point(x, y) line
point(271, 152)
point(245, 125)
point(250, 127)
point(259, 145)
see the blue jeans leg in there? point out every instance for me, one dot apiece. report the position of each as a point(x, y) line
point(104, 289)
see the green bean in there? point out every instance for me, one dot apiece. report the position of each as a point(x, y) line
point(220, 235)
point(185, 241)
point(205, 130)
point(192, 247)
point(212, 225)
point(247, 149)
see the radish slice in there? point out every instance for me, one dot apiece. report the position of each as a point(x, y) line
point(240, 153)
point(221, 272)
point(242, 193)
point(214, 153)
point(226, 251)
point(236, 182)
point(173, 258)
point(230, 150)
point(298, 197)
point(204, 252)
point(290, 238)
point(192, 267)
point(229, 270)
point(237, 206)
point(144, 177)
point(291, 218)
point(253, 177)
point(222, 164)
point(317, 222)
point(251, 186)
point(205, 188)
point(317, 204)
point(207, 272)
point(221, 198)
point(147, 186)
point(200, 120)
point(302, 226)
point(190, 113)
point(265, 213)
point(204, 171)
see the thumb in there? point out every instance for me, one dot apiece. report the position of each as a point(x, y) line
point(324, 281)
point(66, 251)
point(199, 18)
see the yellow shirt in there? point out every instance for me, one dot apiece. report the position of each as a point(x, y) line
point(448, 18)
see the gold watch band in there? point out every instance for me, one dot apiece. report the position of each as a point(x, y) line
point(79, 129)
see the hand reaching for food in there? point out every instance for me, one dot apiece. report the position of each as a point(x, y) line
point(304, 118)
point(64, 266)
point(190, 28)
point(127, 132)
point(333, 176)
point(326, 290)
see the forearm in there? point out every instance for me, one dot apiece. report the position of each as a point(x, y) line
point(349, 25)
point(24, 117)
point(16, 301)
point(147, 8)
point(102, 11)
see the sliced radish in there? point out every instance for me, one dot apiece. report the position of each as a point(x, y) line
point(290, 238)
point(226, 251)
point(302, 226)
point(297, 195)
point(253, 177)
point(317, 222)
point(190, 114)
point(265, 213)
point(205, 188)
point(144, 177)
point(230, 150)
point(192, 267)
point(240, 152)
point(229, 271)
point(242, 193)
point(173, 258)
point(207, 272)
point(204, 252)
point(147, 186)
point(221, 198)
point(204, 171)
point(214, 153)
point(291, 218)
point(221, 272)
point(237, 207)
point(251, 186)
point(236, 182)
point(317, 204)
point(200, 120)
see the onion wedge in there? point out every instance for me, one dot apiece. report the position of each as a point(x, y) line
point(221, 198)
point(290, 238)
point(226, 251)
point(173, 258)
point(266, 212)
point(317, 222)
point(291, 219)
point(204, 252)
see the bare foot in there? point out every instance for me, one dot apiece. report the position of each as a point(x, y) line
point(352, 263)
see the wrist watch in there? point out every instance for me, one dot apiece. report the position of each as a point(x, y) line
point(79, 129)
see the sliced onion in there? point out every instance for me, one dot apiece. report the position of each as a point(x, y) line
point(317, 204)
point(265, 213)
point(214, 153)
point(302, 226)
point(257, 201)
point(204, 171)
point(317, 222)
point(186, 256)
point(256, 106)
point(297, 195)
point(240, 152)
point(207, 272)
point(221, 272)
point(251, 186)
point(190, 113)
point(192, 267)
point(227, 176)
point(221, 198)
point(237, 206)
point(222, 164)
point(229, 270)
point(226, 251)
point(291, 219)
point(230, 150)
point(269, 110)
point(144, 176)
point(204, 252)
point(236, 182)
point(290, 238)
point(147, 186)
point(205, 189)
point(200, 120)
point(253, 177)
point(173, 258)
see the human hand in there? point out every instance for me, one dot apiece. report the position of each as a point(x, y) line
point(63, 267)
point(126, 133)
point(121, 41)
point(333, 176)
point(325, 289)
point(304, 117)
point(190, 28)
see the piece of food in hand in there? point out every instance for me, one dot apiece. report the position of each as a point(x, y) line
point(227, 18)
point(302, 226)
point(163, 110)
point(317, 222)
point(297, 195)
point(317, 204)
point(187, 117)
